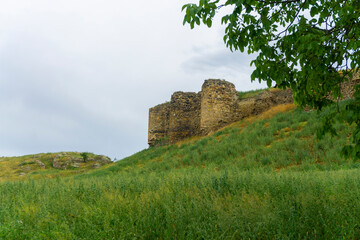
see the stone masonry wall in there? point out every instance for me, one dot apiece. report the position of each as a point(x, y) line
point(217, 105)
point(347, 88)
point(158, 124)
point(262, 102)
point(184, 120)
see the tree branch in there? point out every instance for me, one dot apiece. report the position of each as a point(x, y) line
point(278, 2)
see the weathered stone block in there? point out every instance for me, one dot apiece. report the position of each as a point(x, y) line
point(218, 98)
point(158, 123)
point(347, 88)
point(244, 108)
point(184, 116)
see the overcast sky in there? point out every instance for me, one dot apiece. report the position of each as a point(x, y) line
point(80, 75)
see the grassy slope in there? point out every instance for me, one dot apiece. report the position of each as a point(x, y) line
point(25, 167)
point(264, 178)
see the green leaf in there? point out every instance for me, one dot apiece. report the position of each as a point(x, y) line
point(314, 10)
point(185, 20)
point(319, 36)
point(209, 22)
point(197, 20)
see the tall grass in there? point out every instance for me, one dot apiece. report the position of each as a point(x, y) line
point(264, 179)
point(191, 204)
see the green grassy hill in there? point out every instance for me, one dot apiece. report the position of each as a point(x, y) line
point(262, 178)
point(49, 165)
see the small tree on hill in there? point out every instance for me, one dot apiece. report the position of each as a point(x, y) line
point(310, 46)
point(85, 156)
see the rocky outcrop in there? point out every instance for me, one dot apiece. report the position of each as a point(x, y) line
point(30, 165)
point(40, 164)
point(43, 165)
point(67, 160)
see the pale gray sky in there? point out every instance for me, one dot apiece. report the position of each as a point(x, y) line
point(80, 75)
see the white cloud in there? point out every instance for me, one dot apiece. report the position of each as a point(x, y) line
point(80, 75)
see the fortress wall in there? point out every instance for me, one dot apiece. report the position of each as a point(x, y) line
point(270, 98)
point(283, 96)
point(347, 88)
point(264, 101)
point(184, 118)
point(244, 108)
point(218, 98)
point(158, 123)
point(194, 114)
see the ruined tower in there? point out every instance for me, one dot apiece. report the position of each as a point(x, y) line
point(218, 98)
point(158, 124)
point(184, 120)
point(217, 105)
point(173, 121)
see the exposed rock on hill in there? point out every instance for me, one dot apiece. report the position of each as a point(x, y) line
point(66, 160)
point(50, 164)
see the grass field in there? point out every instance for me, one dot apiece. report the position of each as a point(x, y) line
point(262, 178)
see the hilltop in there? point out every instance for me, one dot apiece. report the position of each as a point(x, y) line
point(49, 165)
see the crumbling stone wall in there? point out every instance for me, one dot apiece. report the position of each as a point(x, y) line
point(193, 114)
point(218, 98)
point(347, 88)
point(262, 102)
point(184, 120)
point(159, 124)
point(273, 97)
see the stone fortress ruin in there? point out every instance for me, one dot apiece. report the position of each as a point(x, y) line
point(215, 106)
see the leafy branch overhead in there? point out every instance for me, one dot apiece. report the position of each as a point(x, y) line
point(310, 46)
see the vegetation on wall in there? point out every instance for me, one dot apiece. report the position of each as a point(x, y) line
point(250, 94)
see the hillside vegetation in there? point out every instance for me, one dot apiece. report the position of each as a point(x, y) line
point(49, 165)
point(251, 93)
point(261, 178)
